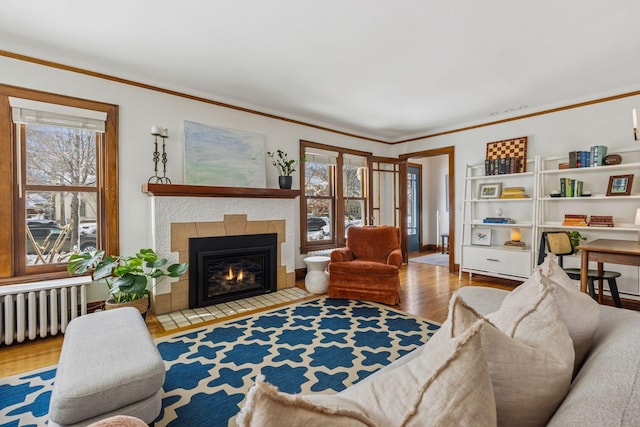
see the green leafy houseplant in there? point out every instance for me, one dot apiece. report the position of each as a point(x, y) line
point(126, 276)
point(575, 238)
point(280, 160)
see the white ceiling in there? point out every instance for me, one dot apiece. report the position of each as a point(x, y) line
point(385, 69)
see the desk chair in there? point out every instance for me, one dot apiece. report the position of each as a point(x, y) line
point(559, 244)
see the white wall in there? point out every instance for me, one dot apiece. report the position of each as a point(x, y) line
point(141, 108)
point(435, 218)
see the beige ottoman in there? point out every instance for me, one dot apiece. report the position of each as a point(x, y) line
point(108, 366)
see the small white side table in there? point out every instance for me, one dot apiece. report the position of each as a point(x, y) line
point(317, 279)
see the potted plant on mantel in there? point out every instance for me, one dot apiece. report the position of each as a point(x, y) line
point(126, 276)
point(285, 167)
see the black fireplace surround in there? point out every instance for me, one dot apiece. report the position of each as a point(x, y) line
point(228, 268)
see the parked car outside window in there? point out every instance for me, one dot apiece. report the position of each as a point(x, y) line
point(45, 233)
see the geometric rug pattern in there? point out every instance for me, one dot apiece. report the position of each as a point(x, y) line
point(318, 346)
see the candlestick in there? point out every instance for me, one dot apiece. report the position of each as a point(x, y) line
point(163, 133)
point(635, 124)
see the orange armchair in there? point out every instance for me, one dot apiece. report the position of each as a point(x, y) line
point(368, 267)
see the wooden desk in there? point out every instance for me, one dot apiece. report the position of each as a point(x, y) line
point(612, 251)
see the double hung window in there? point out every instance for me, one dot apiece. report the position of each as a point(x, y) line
point(63, 188)
point(335, 183)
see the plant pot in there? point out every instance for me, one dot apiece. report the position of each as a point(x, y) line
point(141, 304)
point(285, 182)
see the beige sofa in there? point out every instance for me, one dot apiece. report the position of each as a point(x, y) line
point(543, 354)
point(606, 389)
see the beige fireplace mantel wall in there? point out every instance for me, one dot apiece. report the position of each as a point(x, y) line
point(232, 225)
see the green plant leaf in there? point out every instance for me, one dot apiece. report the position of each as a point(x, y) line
point(175, 270)
point(157, 263)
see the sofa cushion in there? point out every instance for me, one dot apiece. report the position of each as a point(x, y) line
point(606, 391)
point(266, 406)
point(579, 312)
point(448, 383)
point(529, 353)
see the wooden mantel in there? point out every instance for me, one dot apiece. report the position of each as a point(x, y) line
point(181, 190)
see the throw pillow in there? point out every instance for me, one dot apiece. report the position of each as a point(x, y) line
point(446, 384)
point(266, 406)
point(579, 312)
point(529, 354)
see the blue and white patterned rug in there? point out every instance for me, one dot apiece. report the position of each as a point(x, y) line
point(319, 346)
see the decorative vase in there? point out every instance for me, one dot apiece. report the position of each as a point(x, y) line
point(141, 304)
point(285, 182)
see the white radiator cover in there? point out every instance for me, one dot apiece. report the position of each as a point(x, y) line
point(40, 309)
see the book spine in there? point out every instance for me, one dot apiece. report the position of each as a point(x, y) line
point(563, 187)
point(602, 153)
point(570, 187)
point(584, 159)
point(572, 159)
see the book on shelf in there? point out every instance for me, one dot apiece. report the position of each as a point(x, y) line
point(587, 158)
point(512, 244)
point(579, 159)
point(498, 220)
point(513, 193)
point(598, 153)
point(575, 220)
point(503, 166)
point(570, 187)
point(601, 221)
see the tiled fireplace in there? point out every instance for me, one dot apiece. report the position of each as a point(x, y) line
point(227, 268)
point(177, 219)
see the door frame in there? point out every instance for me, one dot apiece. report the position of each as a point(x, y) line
point(450, 153)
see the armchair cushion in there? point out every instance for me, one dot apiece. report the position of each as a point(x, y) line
point(374, 243)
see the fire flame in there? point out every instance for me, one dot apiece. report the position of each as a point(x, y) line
point(239, 277)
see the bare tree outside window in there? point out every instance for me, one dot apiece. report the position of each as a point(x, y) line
point(61, 171)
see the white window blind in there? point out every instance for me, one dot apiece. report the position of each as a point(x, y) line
point(322, 157)
point(28, 111)
point(356, 161)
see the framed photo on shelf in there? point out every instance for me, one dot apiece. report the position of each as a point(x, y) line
point(620, 185)
point(481, 236)
point(489, 191)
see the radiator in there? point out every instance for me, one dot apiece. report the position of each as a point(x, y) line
point(40, 309)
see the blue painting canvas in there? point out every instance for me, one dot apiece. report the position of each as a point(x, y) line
point(223, 157)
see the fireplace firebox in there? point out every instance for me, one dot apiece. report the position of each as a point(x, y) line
point(231, 267)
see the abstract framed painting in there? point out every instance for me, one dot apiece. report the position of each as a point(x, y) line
point(223, 157)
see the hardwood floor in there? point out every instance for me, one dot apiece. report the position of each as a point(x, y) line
point(425, 291)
